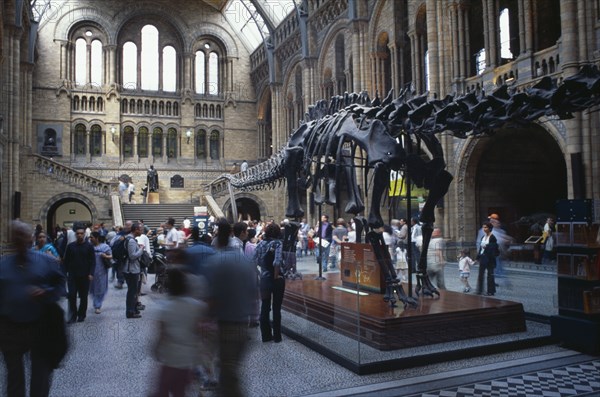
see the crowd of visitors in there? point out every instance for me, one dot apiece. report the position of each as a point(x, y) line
point(219, 284)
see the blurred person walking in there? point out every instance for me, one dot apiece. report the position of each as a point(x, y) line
point(435, 259)
point(232, 299)
point(30, 320)
point(179, 329)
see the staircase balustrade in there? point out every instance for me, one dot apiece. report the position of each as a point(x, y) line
point(70, 176)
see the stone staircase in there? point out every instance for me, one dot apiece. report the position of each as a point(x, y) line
point(155, 214)
point(72, 177)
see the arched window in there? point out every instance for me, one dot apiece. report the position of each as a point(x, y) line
point(212, 111)
point(219, 113)
point(169, 69)
point(140, 108)
point(100, 105)
point(79, 139)
point(128, 141)
point(81, 64)
point(201, 144)
point(205, 111)
point(143, 140)
point(213, 74)
point(175, 109)
point(76, 103)
point(207, 73)
point(505, 52)
point(200, 72)
point(96, 63)
point(157, 137)
point(154, 107)
point(161, 108)
point(149, 58)
point(169, 108)
point(84, 103)
point(198, 110)
point(130, 66)
point(92, 104)
point(96, 140)
point(214, 145)
point(172, 143)
point(146, 107)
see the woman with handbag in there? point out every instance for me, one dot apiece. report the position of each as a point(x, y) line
point(486, 257)
point(99, 285)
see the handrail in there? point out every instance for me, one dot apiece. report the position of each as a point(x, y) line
point(71, 176)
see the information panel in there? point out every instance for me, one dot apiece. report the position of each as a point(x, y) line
point(359, 268)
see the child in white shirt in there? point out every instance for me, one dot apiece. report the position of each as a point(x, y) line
point(464, 267)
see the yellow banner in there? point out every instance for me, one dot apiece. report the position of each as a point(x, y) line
point(398, 187)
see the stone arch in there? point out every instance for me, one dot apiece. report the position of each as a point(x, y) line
point(218, 33)
point(246, 197)
point(379, 11)
point(549, 143)
point(290, 69)
point(56, 201)
point(264, 103)
point(340, 27)
point(79, 15)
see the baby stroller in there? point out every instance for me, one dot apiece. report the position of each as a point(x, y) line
point(160, 265)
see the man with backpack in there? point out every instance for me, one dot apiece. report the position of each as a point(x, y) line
point(131, 270)
point(116, 245)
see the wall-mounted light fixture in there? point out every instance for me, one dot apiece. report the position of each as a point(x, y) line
point(113, 132)
point(188, 134)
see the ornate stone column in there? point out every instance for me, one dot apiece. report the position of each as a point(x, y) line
point(64, 50)
point(187, 72)
point(433, 26)
point(136, 157)
point(492, 33)
point(88, 146)
point(570, 66)
point(165, 157)
point(110, 72)
point(278, 115)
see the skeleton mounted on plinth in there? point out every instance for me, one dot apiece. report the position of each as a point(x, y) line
point(390, 133)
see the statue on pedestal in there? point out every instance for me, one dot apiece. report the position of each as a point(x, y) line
point(152, 179)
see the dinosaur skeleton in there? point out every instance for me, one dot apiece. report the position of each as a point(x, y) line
point(390, 133)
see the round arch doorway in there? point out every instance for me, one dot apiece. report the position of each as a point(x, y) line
point(66, 212)
point(521, 172)
point(247, 209)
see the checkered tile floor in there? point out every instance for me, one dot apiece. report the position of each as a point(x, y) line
point(572, 380)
